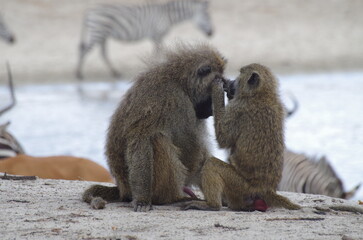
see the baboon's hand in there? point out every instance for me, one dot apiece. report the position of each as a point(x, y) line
point(217, 85)
point(140, 206)
point(219, 81)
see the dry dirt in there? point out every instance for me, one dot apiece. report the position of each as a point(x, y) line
point(52, 209)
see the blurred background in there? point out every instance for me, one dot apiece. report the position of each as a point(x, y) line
point(287, 35)
point(314, 47)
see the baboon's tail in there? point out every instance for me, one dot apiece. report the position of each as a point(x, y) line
point(98, 196)
point(275, 200)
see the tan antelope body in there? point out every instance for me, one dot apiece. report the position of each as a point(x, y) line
point(55, 167)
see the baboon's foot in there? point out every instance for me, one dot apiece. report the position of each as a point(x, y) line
point(140, 206)
point(293, 206)
point(98, 203)
point(199, 205)
point(276, 200)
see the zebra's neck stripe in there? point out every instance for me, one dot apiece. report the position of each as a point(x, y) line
point(6, 144)
point(5, 153)
point(4, 141)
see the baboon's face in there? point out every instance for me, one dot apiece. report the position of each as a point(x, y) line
point(205, 75)
point(207, 72)
point(248, 82)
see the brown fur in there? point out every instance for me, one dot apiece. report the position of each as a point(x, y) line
point(251, 127)
point(155, 143)
point(55, 167)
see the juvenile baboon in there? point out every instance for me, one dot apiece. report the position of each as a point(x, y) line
point(251, 127)
point(155, 143)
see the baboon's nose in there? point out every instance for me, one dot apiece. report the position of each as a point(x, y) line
point(230, 88)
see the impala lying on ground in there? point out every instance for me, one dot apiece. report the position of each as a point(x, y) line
point(55, 167)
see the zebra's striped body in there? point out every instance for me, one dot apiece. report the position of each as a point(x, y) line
point(9, 146)
point(305, 175)
point(133, 23)
point(5, 34)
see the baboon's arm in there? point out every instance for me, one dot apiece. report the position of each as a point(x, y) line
point(225, 128)
point(139, 156)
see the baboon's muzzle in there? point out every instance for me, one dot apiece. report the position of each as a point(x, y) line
point(229, 87)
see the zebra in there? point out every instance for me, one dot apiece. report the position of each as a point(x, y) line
point(5, 34)
point(304, 174)
point(9, 146)
point(133, 23)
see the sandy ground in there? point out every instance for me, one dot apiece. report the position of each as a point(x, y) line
point(287, 35)
point(52, 209)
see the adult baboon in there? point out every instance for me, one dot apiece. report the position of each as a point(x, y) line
point(155, 142)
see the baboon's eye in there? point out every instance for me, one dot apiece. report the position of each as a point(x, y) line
point(254, 80)
point(204, 71)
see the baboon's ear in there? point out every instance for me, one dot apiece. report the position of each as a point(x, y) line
point(204, 71)
point(254, 80)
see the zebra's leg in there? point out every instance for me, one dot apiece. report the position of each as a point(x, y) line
point(115, 73)
point(83, 50)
